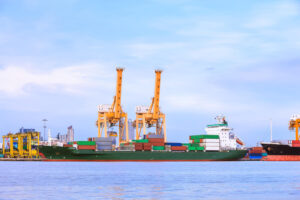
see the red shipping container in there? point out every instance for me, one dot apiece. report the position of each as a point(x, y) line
point(138, 146)
point(201, 140)
point(75, 142)
point(295, 141)
point(257, 148)
point(86, 147)
point(90, 139)
point(156, 140)
point(295, 145)
point(178, 148)
point(158, 144)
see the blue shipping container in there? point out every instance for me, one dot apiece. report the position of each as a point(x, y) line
point(174, 144)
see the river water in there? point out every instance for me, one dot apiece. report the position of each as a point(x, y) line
point(150, 180)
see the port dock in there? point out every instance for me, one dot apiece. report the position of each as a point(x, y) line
point(22, 159)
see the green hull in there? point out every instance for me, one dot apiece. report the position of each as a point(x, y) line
point(69, 154)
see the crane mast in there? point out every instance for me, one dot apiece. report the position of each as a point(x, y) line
point(113, 115)
point(151, 116)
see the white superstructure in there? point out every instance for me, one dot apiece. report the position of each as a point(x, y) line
point(228, 140)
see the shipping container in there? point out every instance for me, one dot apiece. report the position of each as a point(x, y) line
point(154, 136)
point(173, 143)
point(192, 137)
point(87, 147)
point(158, 147)
point(158, 144)
point(212, 148)
point(104, 148)
point(141, 141)
point(104, 143)
point(211, 144)
point(295, 141)
point(194, 148)
point(178, 148)
point(210, 140)
point(156, 140)
point(92, 143)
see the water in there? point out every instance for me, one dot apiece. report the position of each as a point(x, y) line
point(153, 180)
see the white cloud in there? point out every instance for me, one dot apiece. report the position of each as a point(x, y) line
point(14, 80)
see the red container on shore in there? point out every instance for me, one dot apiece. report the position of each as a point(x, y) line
point(178, 148)
point(86, 147)
point(156, 140)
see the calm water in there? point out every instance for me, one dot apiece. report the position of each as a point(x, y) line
point(162, 180)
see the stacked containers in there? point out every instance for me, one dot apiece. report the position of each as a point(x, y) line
point(158, 144)
point(205, 142)
point(152, 143)
point(86, 145)
point(104, 143)
point(128, 146)
point(175, 146)
point(256, 153)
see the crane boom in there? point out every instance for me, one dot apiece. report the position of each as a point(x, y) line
point(118, 93)
point(156, 94)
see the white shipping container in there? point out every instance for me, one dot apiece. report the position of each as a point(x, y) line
point(212, 148)
point(211, 140)
point(212, 144)
point(75, 145)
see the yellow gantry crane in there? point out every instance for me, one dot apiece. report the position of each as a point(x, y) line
point(24, 145)
point(113, 115)
point(151, 116)
point(295, 124)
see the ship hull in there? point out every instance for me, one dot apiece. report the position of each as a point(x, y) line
point(281, 152)
point(69, 154)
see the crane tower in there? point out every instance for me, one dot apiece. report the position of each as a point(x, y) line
point(151, 116)
point(113, 115)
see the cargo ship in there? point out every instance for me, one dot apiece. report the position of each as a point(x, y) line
point(288, 150)
point(218, 144)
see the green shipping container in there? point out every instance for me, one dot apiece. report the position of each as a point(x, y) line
point(196, 148)
point(91, 143)
point(141, 141)
point(194, 145)
point(196, 140)
point(158, 147)
point(195, 137)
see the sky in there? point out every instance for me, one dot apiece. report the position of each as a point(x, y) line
point(236, 58)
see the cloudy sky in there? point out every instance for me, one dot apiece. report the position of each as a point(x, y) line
point(237, 58)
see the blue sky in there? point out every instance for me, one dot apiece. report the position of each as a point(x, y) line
point(237, 58)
